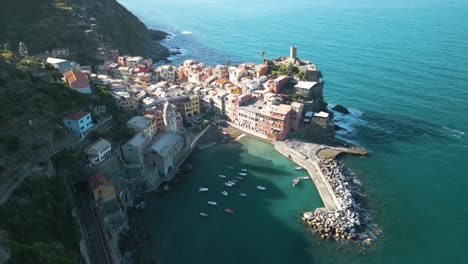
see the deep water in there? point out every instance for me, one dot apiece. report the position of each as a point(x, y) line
point(400, 66)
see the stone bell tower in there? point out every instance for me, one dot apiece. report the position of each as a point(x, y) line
point(170, 117)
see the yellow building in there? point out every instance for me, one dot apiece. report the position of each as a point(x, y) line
point(192, 107)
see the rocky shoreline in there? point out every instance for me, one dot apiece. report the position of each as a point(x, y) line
point(353, 221)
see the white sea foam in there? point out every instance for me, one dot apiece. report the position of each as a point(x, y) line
point(186, 32)
point(452, 132)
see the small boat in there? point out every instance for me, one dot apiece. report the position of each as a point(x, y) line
point(295, 181)
point(202, 189)
point(239, 178)
point(203, 214)
point(231, 182)
point(243, 194)
point(234, 181)
point(244, 170)
point(261, 188)
point(212, 203)
point(229, 211)
point(228, 184)
point(242, 174)
point(225, 193)
point(230, 167)
point(304, 177)
point(222, 176)
point(297, 168)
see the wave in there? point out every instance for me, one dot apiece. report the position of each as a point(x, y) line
point(186, 32)
point(452, 132)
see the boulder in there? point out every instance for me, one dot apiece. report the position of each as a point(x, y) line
point(341, 109)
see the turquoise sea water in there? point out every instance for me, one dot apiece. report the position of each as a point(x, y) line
point(402, 68)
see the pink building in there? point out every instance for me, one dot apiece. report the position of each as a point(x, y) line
point(277, 84)
point(273, 122)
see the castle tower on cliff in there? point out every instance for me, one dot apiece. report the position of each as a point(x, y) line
point(293, 53)
point(170, 117)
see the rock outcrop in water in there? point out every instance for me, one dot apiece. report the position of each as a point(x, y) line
point(341, 109)
point(353, 222)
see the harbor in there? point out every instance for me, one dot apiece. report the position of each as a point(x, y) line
point(184, 235)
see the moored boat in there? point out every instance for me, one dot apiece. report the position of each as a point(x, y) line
point(202, 189)
point(225, 193)
point(243, 194)
point(242, 174)
point(295, 181)
point(228, 184)
point(203, 214)
point(222, 176)
point(212, 203)
point(261, 188)
point(239, 178)
point(244, 170)
point(229, 211)
point(304, 177)
point(298, 168)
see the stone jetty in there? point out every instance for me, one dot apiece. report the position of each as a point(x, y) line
point(353, 221)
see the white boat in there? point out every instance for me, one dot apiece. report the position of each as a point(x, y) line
point(224, 193)
point(221, 176)
point(212, 203)
point(244, 170)
point(297, 168)
point(304, 177)
point(203, 214)
point(228, 184)
point(239, 178)
point(243, 194)
point(261, 188)
point(230, 167)
point(234, 181)
point(242, 174)
point(202, 189)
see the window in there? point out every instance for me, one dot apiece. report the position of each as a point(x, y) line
point(82, 127)
point(81, 121)
point(87, 117)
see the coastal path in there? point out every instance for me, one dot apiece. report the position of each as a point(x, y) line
point(306, 158)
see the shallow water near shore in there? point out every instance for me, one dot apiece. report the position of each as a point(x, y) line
point(265, 227)
point(401, 68)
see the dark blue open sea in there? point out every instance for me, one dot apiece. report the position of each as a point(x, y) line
point(402, 69)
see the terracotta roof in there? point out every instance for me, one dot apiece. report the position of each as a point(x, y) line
point(222, 81)
point(99, 179)
point(76, 80)
point(76, 115)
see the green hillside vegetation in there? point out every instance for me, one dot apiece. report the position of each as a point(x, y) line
point(25, 98)
point(46, 24)
point(38, 220)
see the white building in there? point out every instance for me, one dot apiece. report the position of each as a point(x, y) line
point(99, 151)
point(304, 88)
point(145, 124)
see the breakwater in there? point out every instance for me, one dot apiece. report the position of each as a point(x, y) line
point(353, 221)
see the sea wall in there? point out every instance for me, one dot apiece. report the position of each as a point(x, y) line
point(354, 221)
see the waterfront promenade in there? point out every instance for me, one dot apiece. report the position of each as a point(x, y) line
point(303, 154)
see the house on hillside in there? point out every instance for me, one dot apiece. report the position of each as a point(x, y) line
point(77, 81)
point(60, 52)
point(78, 123)
point(99, 151)
point(63, 65)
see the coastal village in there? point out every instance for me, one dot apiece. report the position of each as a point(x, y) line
point(171, 108)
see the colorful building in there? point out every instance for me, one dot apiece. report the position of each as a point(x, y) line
point(78, 123)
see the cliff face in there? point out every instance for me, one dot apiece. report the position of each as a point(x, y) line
point(124, 30)
point(46, 24)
